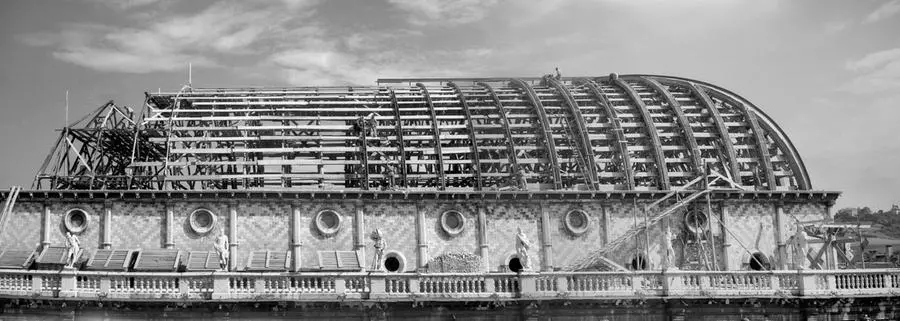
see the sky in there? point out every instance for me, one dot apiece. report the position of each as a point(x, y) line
point(827, 71)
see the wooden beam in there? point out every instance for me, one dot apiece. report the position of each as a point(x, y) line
point(656, 145)
point(473, 142)
point(621, 142)
point(546, 131)
point(436, 132)
point(584, 141)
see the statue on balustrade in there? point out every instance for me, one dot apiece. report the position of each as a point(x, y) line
point(221, 247)
point(522, 247)
point(670, 251)
point(379, 245)
point(73, 247)
point(799, 247)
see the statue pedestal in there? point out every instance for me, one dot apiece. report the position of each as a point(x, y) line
point(67, 287)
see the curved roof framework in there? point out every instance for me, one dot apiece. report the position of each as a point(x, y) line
point(631, 132)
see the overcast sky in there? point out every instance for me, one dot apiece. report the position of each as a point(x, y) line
point(827, 71)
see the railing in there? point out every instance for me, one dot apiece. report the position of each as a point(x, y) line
point(446, 286)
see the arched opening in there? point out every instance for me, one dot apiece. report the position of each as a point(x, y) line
point(639, 263)
point(759, 262)
point(515, 265)
point(392, 264)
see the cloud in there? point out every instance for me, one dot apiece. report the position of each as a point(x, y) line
point(885, 11)
point(123, 4)
point(222, 29)
point(880, 71)
point(444, 12)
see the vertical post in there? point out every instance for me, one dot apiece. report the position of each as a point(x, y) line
point(170, 225)
point(605, 211)
point(831, 260)
point(421, 240)
point(359, 228)
point(67, 286)
point(483, 247)
point(105, 242)
point(726, 238)
point(296, 244)
point(232, 236)
point(780, 255)
point(546, 242)
point(45, 226)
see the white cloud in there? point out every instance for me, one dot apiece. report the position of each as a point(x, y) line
point(123, 4)
point(885, 11)
point(222, 29)
point(880, 71)
point(444, 12)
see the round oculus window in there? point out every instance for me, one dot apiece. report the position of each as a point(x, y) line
point(453, 222)
point(695, 221)
point(394, 262)
point(76, 220)
point(328, 222)
point(202, 221)
point(577, 222)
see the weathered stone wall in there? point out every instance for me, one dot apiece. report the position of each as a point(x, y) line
point(266, 225)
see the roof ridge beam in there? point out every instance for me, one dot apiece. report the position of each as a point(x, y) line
point(682, 120)
point(621, 141)
point(510, 146)
point(545, 129)
point(584, 139)
point(724, 137)
point(435, 129)
point(476, 162)
point(663, 179)
point(764, 156)
point(398, 127)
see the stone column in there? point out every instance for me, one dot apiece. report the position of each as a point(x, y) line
point(726, 237)
point(546, 242)
point(421, 239)
point(296, 244)
point(169, 242)
point(232, 236)
point(780, 253)
point(604, 209)
point(359, 230)
point(105, 242)
point(483, 247)
point(45, 226)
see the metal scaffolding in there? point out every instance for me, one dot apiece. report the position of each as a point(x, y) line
point(628, 132)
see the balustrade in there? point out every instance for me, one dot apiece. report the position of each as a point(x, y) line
point(359, 286)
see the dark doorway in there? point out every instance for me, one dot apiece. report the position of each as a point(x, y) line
point(515, 265)
point(759, 262)
point(638, 263)
point(392, 264)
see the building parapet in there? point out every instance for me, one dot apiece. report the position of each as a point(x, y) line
point(336, 287)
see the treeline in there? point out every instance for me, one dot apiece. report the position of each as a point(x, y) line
point(890, 220)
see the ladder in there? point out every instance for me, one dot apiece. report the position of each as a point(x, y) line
point(8, 205)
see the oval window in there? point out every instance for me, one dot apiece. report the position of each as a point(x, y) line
point(202, 221)
point(453, 222)
point(394, 262)
point(577, 222)
point(76, 220)
point(328, 222)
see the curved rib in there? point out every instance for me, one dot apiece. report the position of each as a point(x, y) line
point(682, 121)
point(470, 127)
point(546, 131)
point(621, 143)
point(760, 140)
point(661, 170)
point(724, 137)
point(398, 127)
point(585, 142)
point(510, 146)
point(436, 137)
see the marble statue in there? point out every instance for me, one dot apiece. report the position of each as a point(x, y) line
point(670, 251)
point(522, 247)
point(379, 245)
point(73, 247)
point(221, 247)
point(799, 247)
